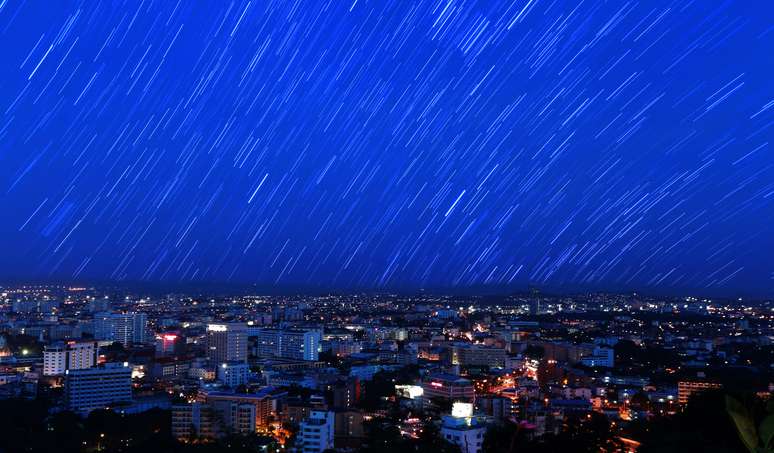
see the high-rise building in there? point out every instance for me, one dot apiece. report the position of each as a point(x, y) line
point(227, 342)
point(266, 342)
point(289, 344)
point(125, 328)
point(316, 432)
point(103, 326)
point(98, 387)
point(169, 343)
point(54, 360)
point(81, 354)
point(72, 355)
point(139, 328)
point(303, 345)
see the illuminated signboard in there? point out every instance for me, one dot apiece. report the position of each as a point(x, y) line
point(462, 410)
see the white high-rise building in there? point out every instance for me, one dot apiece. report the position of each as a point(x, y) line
point(54, 360)
point(289, 344)
point(316, 432)
point(125, 328)
point(103, 326)
point(73, 355)
point(81, 355)
point(98, 387)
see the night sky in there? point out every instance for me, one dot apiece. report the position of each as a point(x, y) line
point(389, 145)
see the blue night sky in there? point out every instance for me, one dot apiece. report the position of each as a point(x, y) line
point(389, 145)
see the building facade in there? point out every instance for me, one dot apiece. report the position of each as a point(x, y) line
point(72, 355)
point(686, 388)
point(233, 374)
point(448, 387)
point(316, 433)
point(125, 328)
point(600, 357)
point(227, 342)
point(476, 355)
point(289, 344)
point(192, 421)
point(462, 429)
point(98, 387)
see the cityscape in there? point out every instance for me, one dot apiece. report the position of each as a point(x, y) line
point(386, 226)
point(528, 372)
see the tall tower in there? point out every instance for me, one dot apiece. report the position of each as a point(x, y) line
point(227, 342)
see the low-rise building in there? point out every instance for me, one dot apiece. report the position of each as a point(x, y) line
point(687, 388)
point(448, 387)
point(462, 429)
point(233, 374)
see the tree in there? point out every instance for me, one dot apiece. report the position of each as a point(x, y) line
point(382, 437)
point(330, 359)
point(626, 351)
point(381, 386)
point(535, 352)
point(22, 423)
point(504, 438)
point(703, 425)
point(24, 345)
point(757, 432)
point(66, 431)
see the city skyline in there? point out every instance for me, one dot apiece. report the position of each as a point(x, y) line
point(100, 369)
point(220, 289)
point(453, 146)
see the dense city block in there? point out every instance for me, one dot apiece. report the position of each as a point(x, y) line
point(108, 369)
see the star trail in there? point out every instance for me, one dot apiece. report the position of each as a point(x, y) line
point(389, 144)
